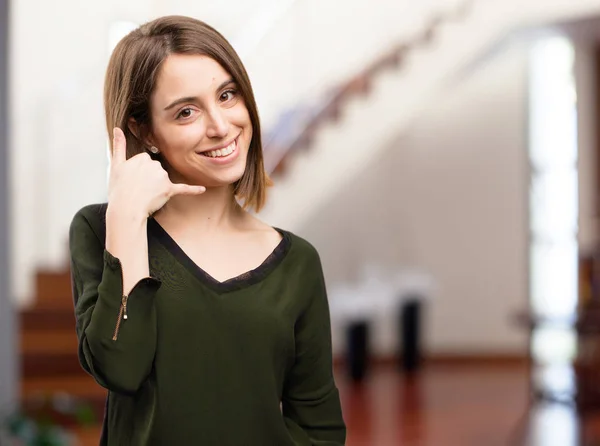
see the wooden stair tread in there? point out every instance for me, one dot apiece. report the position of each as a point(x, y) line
point(48, 318)
point(62, 300)
point(88, 436)
point(49, 341)
point(38, 365)
point(82, 386)
point(52, 286)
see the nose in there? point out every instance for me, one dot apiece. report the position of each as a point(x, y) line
point(217, 125)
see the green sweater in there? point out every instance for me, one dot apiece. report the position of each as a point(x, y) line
point(195, 361)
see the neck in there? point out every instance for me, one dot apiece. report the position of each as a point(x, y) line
point(214, 210)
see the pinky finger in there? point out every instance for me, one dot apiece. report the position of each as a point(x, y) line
point(186, 189)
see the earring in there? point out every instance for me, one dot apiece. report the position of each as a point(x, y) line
point(154, 150)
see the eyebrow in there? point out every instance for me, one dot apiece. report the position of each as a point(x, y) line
point(195, 98)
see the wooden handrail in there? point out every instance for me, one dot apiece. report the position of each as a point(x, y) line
point(311, 118)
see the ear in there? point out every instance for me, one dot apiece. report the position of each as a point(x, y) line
point(140, 132)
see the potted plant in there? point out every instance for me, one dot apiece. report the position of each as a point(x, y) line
point(47, 420)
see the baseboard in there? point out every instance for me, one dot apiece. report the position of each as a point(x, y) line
point(496, 359)
point(450, 359)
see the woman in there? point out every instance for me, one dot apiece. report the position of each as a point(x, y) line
point(207, 326)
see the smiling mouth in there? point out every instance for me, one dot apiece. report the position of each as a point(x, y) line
point(222, 153)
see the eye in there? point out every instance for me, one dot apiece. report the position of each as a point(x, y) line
point(184, 113)
point(228, 95)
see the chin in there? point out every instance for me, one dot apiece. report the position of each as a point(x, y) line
point(223, 178)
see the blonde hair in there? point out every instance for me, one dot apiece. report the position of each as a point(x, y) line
point(131, 78)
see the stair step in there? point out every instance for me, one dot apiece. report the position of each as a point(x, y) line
point(54, 288)
point(88, 436)
point(82, 386)
point(45, 342)
point(60, 301)
point(37, 365)
point(40, 318)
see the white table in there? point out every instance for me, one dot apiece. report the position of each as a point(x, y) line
point(356, 307)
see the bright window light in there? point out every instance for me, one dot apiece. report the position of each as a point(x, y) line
point(553, 193)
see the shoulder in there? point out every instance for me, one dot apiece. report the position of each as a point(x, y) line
point(303, 253)
point(301, 245)
point(90, 217)
point(93, 211)
point(305, 262)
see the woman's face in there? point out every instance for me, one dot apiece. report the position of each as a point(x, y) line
point(200, 123)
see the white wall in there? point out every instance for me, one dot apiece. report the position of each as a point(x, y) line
point(53, 128)
point(59, 53)
point(58, 57)
point(448, 196)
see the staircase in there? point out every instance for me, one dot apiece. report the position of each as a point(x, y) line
point(357, 123)
point(48, 349)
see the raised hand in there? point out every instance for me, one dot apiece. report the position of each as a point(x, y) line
point(140, 184)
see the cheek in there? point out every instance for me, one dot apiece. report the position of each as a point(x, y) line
point(242, 120)
point(179, 137)
point(240, 116)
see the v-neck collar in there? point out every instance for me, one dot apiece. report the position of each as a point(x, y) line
point(235, 283)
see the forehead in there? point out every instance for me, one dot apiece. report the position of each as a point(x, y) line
point(188, 75)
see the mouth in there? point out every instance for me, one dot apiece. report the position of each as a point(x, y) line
point(224, 152)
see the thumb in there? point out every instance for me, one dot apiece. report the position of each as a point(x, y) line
point(186, 189)
point(119, 149)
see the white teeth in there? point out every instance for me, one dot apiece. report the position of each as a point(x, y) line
point(221, 152)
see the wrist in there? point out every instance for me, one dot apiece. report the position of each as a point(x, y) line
point(125, 215)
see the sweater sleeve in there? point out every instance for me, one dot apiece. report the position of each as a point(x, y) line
point(311, 403)
point(117, 351)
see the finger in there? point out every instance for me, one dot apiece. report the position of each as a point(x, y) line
point(186, 189)
point(119, 151)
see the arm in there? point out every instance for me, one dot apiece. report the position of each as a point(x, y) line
point(311, 403)
point(117, 352)
point(114, 297)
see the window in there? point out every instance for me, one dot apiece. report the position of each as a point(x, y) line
point(553, 195)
